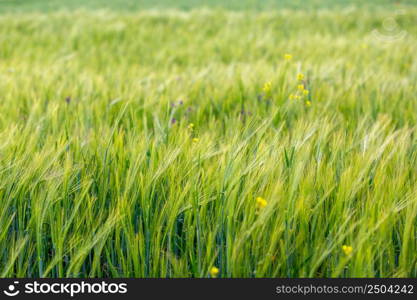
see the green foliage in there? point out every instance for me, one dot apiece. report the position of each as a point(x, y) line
point(129, 5)
point(101, 173)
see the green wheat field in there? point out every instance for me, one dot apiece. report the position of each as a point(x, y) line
point(208, 138)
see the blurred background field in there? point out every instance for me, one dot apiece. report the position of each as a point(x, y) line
point(132, 5)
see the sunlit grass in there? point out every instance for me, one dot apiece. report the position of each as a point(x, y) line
point(179, 144)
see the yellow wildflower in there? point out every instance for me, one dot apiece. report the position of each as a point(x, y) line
point(267, 87)
point(214, 272)
point(305, 92)
point(300, 87)
point(347, 249)
point(292, 97)
point(191, 126)
point(308, 103)
point(261, 202)
point(287, 57)
point(195, 140)
point(300, 77)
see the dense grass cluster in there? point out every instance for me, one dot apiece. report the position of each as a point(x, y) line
point(137, 144)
